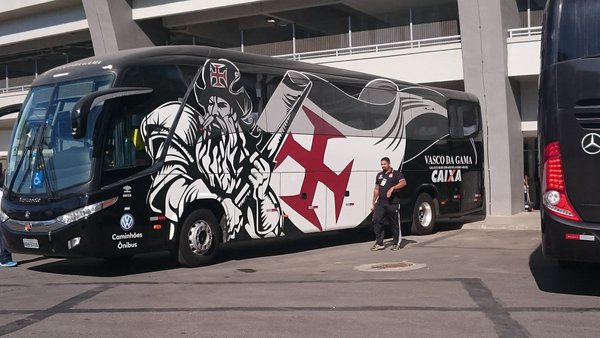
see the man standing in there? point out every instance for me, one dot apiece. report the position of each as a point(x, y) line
point(387, 182)
point(5, 255)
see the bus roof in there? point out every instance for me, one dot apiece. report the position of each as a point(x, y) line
point(195, 55)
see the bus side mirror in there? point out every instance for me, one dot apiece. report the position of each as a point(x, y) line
point(13, 108)
point(81, 110)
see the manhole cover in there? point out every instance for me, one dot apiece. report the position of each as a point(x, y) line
point(391, 266)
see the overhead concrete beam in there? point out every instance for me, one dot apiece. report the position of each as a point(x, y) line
point(46, 42)
point(68, 20)
point(23, 8)
point(236, 12)
point(381, 9)
point(149, 9)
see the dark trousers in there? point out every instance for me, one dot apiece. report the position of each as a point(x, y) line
point(391, 213)
point(5, 255)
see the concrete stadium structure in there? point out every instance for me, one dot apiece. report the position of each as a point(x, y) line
point(487, 47)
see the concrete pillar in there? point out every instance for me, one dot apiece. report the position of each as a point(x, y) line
point(485, 66)
point(112, 27)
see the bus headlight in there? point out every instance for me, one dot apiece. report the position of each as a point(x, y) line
point(3, 217)
point(73, 242)
point(77, 214)
point(552, 197)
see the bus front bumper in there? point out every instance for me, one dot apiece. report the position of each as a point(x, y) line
point(48, 238)
point(567, 240)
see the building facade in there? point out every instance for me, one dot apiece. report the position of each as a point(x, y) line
point(488, 47)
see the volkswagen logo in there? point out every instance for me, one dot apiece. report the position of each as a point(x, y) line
point(127, 222)
point(590, 143)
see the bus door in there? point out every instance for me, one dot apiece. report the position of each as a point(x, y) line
point(131, 225)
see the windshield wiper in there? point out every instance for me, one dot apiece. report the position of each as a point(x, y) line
point(39, 141)
point(40, 149)
point(28, 147)
point(45, 177)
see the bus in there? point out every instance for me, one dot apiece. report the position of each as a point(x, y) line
point(185, 148)
point(569, 131)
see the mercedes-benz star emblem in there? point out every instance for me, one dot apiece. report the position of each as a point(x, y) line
point(591, 143)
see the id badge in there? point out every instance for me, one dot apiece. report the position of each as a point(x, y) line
point(383, 181)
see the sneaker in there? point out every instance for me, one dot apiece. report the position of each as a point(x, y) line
point(395, 247)
point(377, 247)
point(8, 264)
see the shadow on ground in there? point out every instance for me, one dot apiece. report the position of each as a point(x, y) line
point(98, 267)
point(160, 261)
point(579, 279)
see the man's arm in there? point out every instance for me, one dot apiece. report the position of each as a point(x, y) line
point(401, 184)
point(375, 194)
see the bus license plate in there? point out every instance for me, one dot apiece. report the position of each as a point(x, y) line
point(30, 243)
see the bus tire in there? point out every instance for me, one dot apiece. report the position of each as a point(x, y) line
point(424, 215)
point(199, 239)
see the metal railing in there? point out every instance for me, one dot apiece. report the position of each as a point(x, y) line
point(15, 89)
point(527, 31)
point(373, 48)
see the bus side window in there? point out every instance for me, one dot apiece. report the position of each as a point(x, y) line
point(250, 83)
point(124, 146)
point(463, 118)
point(378, 93)
point(270, 85)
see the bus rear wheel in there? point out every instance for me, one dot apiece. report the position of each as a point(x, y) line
point(199, 239)
point(424, 215)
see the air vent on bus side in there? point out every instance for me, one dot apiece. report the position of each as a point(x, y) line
point(587, 113)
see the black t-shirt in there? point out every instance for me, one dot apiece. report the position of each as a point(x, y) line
point(385, 182)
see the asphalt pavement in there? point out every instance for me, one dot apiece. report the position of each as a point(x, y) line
point(484, 279)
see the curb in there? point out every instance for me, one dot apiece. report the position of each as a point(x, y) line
point(521, 221)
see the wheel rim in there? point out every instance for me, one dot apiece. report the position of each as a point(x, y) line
point(200, 237)
point(425, 214)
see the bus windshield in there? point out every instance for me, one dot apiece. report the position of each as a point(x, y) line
point(44, 157)
point(579, 34)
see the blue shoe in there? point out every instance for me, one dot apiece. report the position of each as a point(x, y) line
point(8, 264)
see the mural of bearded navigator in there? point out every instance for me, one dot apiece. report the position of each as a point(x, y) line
point(218, 152)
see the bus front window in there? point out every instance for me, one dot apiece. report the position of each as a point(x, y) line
point(43, 156)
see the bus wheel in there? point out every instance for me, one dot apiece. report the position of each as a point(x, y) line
point(199, 239)
point(424, 215)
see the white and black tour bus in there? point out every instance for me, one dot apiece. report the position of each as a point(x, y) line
point(186, 148)
point(569, 131)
